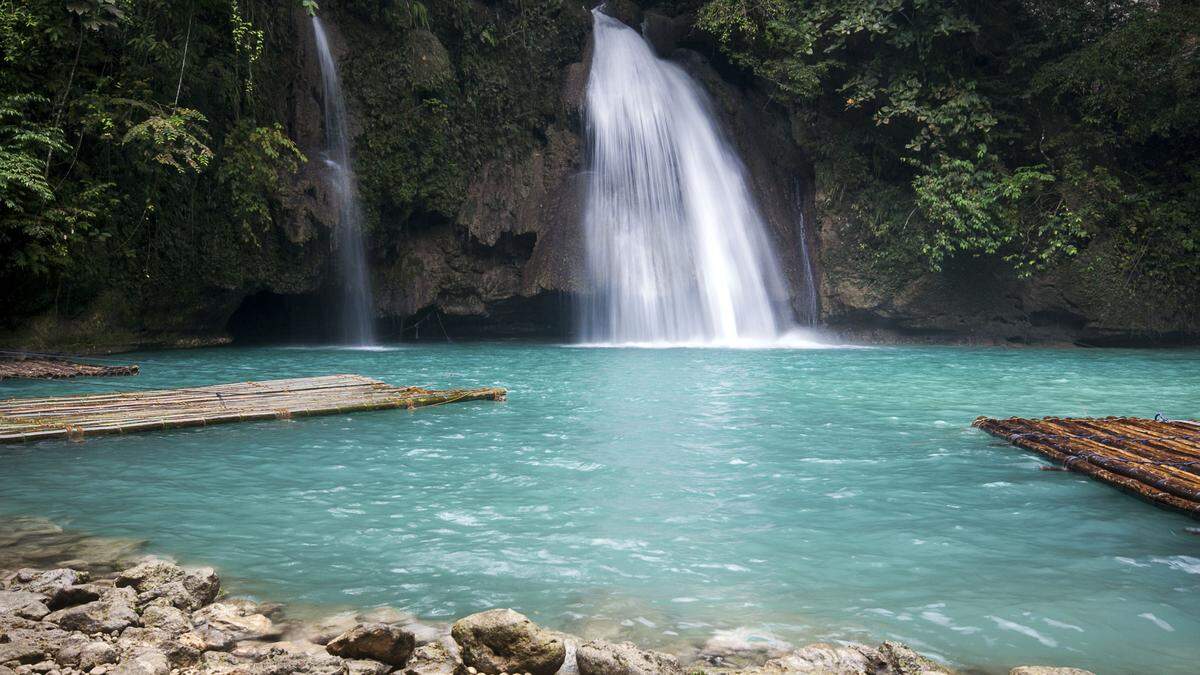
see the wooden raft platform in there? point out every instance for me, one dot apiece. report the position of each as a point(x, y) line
point(1156, 460)
point(23, 419)
point(56, 369)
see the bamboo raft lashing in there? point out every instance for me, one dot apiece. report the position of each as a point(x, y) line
point(24, 419)
point(1158, 460)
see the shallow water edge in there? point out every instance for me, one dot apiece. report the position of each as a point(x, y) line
point(104, 605)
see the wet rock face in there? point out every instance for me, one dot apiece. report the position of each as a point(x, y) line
point(605, 658)
point(504, 641)
point(378, 641)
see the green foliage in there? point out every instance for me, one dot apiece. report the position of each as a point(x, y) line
point(1019, 130)
point(174, 139)
point(38, 221)
point(253, 165)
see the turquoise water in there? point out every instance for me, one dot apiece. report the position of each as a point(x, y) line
point(801, 495)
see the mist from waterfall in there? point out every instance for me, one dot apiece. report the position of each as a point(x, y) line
point(677, 250)
point(356, 316)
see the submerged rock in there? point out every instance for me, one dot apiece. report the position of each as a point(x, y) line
point(598, 657)
point(379, 641)
point(504, 641)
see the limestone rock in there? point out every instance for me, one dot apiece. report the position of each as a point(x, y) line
point(62, 587)
point(95, 654)
point(367, 667)
point(164, 582)
point(170, 619)
point(1048, 670)
point(504, 641)
point(149, 574)
point(21, 652)
point(903, 660)
point(829, 659)
point(113, 612)
point(234, 621)
point(598, 657)
point(378, 641)
point(25, 604)
point(178, 650)
point(145, 662)
point(287, 664)
point(431, 659)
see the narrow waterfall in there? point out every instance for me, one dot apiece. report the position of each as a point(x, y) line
point(356, 307)
point(676, 247)
point(810, 309)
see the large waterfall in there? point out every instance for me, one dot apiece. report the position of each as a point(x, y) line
point(677, 249)
point(355, 308)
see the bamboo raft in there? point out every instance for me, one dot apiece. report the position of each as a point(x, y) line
point(25, 419)
point(1156, 460)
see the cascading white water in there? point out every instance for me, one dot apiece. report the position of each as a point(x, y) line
point(677, 249)
point(810, 306)
point(356, 316)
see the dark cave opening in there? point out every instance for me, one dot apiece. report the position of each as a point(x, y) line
point(267, 317)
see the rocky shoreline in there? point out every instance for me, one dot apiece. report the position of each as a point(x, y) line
point(91, 606)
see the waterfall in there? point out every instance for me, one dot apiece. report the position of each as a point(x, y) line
point(677, 250)
point(811, 309)
point(355, 310)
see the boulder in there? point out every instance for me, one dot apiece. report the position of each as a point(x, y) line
point(62, 587)
point(163, 582)
point(504, 641)
point(431, 659)
point(235, 622)
point(829, 659)
point(145, 662)
point(21, 651)
point(95, 654)
point(179, 650)
point(25, 604)
point(113, 612)
point(149, 574)
point(378, 641)
point(598, 657)
point(625, 11)
point(1048, 670)
point(903, 660)
point(164, 617)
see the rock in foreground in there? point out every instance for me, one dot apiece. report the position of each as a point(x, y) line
point(598, 657)
point(504, 641)
point(377, 641)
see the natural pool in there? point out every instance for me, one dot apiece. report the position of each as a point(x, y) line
point(807, 494)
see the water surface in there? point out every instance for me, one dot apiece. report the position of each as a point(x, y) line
point(668, 495)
